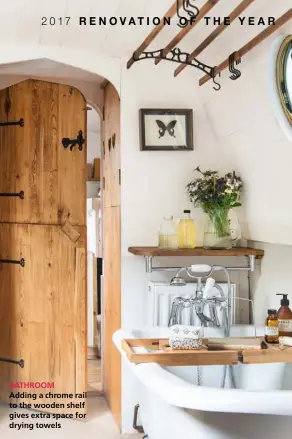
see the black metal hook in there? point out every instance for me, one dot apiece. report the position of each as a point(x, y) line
point(218, 86)
point(187, 6)
point(109, 144)
point(235, 72)
point(114, 140)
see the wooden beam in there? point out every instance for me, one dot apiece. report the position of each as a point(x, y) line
point(253, 43)
point(204, 10)
point(153, 34)
point(218, 31)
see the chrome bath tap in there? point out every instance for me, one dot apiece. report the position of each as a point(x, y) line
point(197, 306)
point(201, 299)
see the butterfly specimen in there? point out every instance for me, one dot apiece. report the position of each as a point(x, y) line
point(163, 128)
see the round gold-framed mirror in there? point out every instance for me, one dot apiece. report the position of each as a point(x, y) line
point(284, 76)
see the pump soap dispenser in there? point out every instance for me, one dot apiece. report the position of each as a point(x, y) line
point(285, 317)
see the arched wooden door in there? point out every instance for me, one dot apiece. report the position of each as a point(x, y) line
point(43, 222)
point(112, 249)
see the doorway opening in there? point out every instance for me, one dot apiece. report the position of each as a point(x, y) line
point(94, 252)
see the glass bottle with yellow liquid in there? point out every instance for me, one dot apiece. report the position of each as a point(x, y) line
point(187, 231)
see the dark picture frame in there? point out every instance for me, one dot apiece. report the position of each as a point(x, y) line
point(166, 130)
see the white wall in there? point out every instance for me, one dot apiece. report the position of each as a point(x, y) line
point(234, 128)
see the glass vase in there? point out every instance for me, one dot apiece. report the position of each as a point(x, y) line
point(217, 230)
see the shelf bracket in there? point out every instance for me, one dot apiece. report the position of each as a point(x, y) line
point(150, 268)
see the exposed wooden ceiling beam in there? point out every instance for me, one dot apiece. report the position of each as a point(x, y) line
point(218, 31)
point(251, 44)
point(153, 34)
point(203, 11)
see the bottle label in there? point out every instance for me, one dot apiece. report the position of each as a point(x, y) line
point(272, 331)
point(285, 325)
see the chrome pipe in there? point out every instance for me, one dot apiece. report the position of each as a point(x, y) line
point(151, 269)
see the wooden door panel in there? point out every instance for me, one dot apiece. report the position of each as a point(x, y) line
point(33, 158)
point(106, 163)
point(43, 309)
point(112, 308)
point(112, 147)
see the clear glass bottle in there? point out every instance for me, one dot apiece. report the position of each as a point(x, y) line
point(168, 234)
point(187, 231)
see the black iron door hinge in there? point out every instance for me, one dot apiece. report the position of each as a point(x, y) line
point(9, 261)
point(12, 194)
point(7, 360)
point(19, 122)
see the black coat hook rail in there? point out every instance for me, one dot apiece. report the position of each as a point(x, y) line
point(12, 194)
point(19, 122)
point(19, 363)
point(9, 261)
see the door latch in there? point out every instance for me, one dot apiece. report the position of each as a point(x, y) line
point(73, 142)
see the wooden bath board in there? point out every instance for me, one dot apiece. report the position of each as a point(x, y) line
point(249, 351)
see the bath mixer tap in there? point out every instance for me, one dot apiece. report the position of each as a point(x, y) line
point(200, 272)
point(197, 304)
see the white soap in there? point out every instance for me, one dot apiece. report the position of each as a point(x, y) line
point(186, 332)
point(285, 341)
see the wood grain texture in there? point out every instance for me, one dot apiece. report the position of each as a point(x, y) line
point(112, 159)
point(43, 305)
point(43, 309)
point(252, 44)
point(169, 357)
point(271, 355)
point(70, 231)
point(199, 251)
point(33, 159)
point(112, 308)
point(112, 249)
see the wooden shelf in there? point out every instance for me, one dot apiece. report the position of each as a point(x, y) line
point(236, 251)
point(158, 352)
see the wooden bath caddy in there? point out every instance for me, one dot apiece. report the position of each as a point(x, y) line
point(246, 350)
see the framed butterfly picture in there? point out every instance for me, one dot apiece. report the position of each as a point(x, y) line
point(166, 130)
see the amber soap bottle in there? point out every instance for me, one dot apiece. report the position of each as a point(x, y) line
point(285, 317)
point(272, 327)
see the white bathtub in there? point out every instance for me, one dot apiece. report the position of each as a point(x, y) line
point(173, 406)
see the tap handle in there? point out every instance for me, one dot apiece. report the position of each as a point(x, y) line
point(210, 282)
